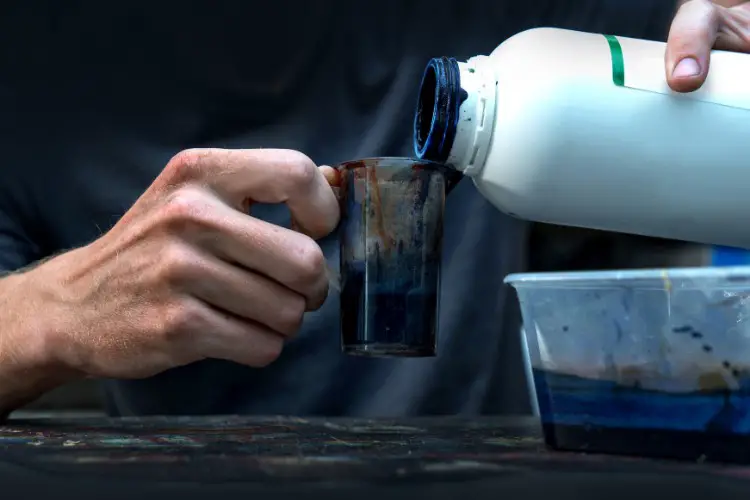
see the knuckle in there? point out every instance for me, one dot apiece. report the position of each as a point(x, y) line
point(179, 319)
point(311, 263)
point(290, 314)
point(690, 4)
point(704, 12)
point(300, 171)
point(183, 208)
point(269, 351)
point(187, 163)
point(177, 264)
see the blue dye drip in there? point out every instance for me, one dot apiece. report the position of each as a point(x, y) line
point(436, 118)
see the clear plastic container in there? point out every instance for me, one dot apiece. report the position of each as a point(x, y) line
point(651, 362)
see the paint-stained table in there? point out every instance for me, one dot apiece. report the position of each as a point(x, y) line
point(280, 457)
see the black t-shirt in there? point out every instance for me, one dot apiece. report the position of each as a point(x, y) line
point(95, 100)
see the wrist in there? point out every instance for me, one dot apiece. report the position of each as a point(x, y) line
point(30, 360)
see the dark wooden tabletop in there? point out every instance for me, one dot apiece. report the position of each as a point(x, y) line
point(280, 457)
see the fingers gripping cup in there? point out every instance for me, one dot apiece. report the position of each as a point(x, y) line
point(391, 246)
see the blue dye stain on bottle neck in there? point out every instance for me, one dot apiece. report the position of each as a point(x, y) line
point(438, 108)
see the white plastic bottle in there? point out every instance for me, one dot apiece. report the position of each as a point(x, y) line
point(581, 129)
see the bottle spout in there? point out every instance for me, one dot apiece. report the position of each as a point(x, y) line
point(455, 113)
point(437, 114)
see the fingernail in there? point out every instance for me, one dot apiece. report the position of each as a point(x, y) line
point(686, 68)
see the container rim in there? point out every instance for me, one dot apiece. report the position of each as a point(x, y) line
point(390, 161)
point(451, 175)
point(680, 277)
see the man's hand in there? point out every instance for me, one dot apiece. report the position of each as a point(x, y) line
point(699, 26)
point(186, 274)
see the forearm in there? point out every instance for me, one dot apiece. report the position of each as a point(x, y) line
point(28, 365)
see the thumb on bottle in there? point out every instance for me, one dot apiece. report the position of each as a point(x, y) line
point(691, 38)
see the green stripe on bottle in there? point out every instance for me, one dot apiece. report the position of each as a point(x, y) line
point(618, 64)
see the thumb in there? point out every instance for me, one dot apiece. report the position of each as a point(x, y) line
point(691, 38)
point(331, 174)
point(334, 180)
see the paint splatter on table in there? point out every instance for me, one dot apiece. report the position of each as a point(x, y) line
point(278, 450)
